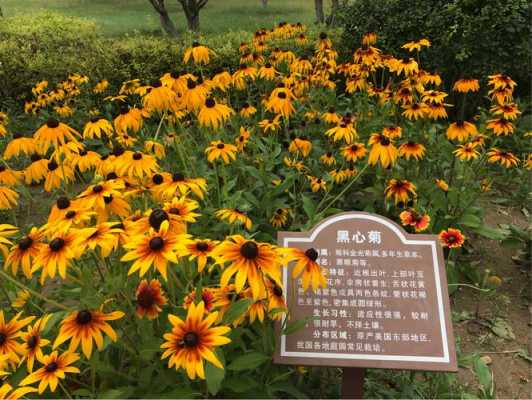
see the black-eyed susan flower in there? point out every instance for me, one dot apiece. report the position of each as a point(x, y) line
point(243, 138)
point(177, 184)
point(97, 127)
point(56, 174)
point(24, 251)
point(461, 130)
point(136, 164)
point(10, 332)
point(160, 99)
point(382, 150)
point(218, 149)
point(412, 149)
point(249, 261)
point(466, 85)
point(400, 189)
point(21, 299)
point(85, 327)
point(94, 196)
point(34, 342)
point(501, 81)
point(392, 131)
point(317, 184)
point(8, 176)
point(505, 158)
point(198, 53)
point(419, 221)
point(280, 102)
point(276, 301)
point(54, 133)
point(343, 131)
point(101, 86)
point(306, 267)
point(328, 158)
point(300, 145)
point(416, 45)
point(500, 126)
point(55, 367)
point(129, 120)
point(234, 215)
point(452, 238)
point(20, 145)
point(280, 217)
point(247, 110)
point(155, 148)
point(354, 152)
point(270, 125)
point(57, 255)
point(466, 152)
point(201, 250)
point(149, 299)
point(213, 114)
point(157, 248)
point(414, 111)
point(193, 340)
point(181, 210)
point(104, 236)
point(268, 72)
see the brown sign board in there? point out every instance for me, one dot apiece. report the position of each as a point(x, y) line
point(386, 303)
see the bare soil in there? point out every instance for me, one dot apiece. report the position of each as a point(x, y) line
point(512, 302)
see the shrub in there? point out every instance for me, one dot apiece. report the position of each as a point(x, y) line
point(479, 37)
point(50, 46)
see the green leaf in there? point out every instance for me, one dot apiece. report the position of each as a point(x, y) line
point(236, 310)
point(512, 243)
point(470, 221)
point(117, 393)
point(502, 328)
point(491, 233)
point(296, 325)
point(240, 384)
point(286, 387)
point(308, 206)
point(483, 374)
point(214, 377)
point(248, 361)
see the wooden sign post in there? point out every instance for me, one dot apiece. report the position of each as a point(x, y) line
point(386, 303)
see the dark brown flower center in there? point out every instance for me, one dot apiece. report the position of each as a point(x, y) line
point(84, 317)
point(52, 165)
point(385, 141)
point(281, 95)
point(312, 254)
point(157, 179)
point(25, 243)
point(191, 339)
point(52, 367)
point(63, 203)
point(220, 146)
point(137, 156)
point(52, 123)
point(278, 290)
point(202, 246)
point(32, 342)
point(156, 243)
point(146, 298)
point(56, 244)
point(70, 214)
point(97, 188)
point(249, 250)
point(210, 103)
point(157, 217)
point(3, 338)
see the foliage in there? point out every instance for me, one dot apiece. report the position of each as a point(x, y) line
point(473, 37)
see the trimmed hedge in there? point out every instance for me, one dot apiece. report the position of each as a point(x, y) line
point(473, 37)
point(50, 46)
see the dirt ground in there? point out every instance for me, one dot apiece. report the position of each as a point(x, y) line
point(512, 302)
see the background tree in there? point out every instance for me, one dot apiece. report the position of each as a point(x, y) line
point(192, 9)
point(320, 16)
point(166, 22)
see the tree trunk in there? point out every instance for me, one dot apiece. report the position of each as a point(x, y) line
point(166, 22)
point(318, 6)
point(264, 3)
point(334, 9)
point(193, 22)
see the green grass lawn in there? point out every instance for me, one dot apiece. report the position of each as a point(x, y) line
point(123, 16)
